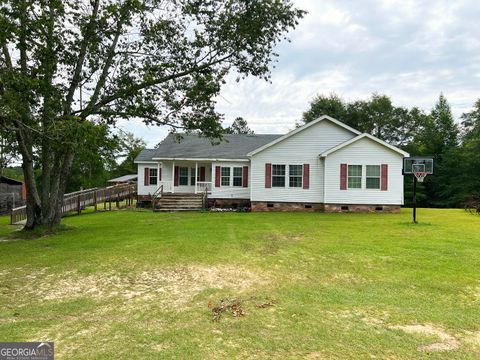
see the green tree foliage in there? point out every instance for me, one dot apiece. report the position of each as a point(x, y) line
point(130, 147)
point(239, 126)
point(377, 116)
point(161, 61)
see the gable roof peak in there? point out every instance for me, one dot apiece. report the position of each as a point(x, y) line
point(304, 127)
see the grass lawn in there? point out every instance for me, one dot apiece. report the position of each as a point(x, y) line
point(143, 285)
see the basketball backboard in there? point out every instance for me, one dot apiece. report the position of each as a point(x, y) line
point(415, 164)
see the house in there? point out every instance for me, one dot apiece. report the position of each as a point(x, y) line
point(323, 165)
point(12, 194)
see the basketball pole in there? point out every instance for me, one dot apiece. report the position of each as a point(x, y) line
point(414, 199)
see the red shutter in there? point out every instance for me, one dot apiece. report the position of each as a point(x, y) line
point(268, 175)
point(159, 174)
point(176, 176)
point(384, 178)
point(343, 176)
point(245, 176)
point(146, 177)
point(217, 176)
point(306, 176)
point(202, 173)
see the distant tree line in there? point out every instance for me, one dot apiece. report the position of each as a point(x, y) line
point(455, 146)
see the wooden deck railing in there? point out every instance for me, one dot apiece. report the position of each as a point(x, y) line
point(79, 200)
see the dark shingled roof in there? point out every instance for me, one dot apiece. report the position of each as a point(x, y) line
point(196, 147)
point(145, 155)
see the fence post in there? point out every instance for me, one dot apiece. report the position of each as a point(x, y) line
point(118, 198)
point(95, 200)
point(78, 204)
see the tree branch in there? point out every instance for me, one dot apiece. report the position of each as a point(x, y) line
point(108, 61)
point(137, 87)
point(81, 58)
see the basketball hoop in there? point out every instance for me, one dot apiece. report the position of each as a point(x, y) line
point(420, 175)
point(420, 167)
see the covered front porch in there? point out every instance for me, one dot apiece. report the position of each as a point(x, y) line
point(192, 177)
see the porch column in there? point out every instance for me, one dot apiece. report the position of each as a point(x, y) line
point(173, 176)
point(158, 174)
point(196, 175)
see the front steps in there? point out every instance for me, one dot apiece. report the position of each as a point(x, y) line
point(179, 202)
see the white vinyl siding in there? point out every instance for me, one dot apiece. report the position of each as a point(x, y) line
point(231, 191)
point(301, 148)
point(364, 152)
point(143, 189)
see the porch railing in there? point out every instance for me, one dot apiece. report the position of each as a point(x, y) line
point(167, 186)
point(201, 186)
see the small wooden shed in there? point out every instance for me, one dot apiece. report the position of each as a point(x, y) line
point(12, 194)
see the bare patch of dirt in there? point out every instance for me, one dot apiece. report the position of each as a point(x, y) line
point(173, 286)
point(472, 337)
point(447, 341)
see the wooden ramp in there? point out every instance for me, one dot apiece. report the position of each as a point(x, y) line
point(79, 200)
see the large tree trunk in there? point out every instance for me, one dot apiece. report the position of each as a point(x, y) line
point(44, 208)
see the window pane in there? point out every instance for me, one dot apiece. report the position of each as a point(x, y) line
point(373, 183)
point(225, 171)
point(278, 181)
point(296, 170)
point(237, 176)
point(354, 182)
point(225, 176)
point(237, 171)
point(278, 170)
point(153, 177)
point(295, 181)
point(373, 170)
point(296, 175)
point(183, 176)
point(354, 170)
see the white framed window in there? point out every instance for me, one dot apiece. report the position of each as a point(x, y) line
point(372, 177)
point(183, 176)
point(152, 177)
point(295, 174)
point(225, 176)
point(237, 176)
point(354, 176)
point(278, 175)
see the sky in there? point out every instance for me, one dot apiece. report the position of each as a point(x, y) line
point(408, 50)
